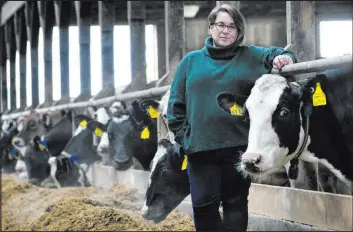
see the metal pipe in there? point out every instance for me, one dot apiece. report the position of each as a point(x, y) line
point(166, 29)
point(316, 65)
point(304, 67)
point(121, 97)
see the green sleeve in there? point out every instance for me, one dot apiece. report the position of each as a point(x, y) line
point(269, 54)
point(176, 112)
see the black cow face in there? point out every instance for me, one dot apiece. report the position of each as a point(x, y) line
point(132, 133)
point(168, 185)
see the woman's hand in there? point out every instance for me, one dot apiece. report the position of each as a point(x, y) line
point(281, 60)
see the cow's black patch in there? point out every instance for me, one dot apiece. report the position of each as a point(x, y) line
point(286, 120)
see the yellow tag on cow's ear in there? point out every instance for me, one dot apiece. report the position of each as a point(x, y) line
point(236, 110)
point(153, 112)
point(83, 123)
point(41, 147)
point(145, 134)
point(98, 132)
point(185, 163)
point(319, 97)
point(10, 156)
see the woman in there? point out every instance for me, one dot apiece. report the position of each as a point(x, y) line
point(204, 130)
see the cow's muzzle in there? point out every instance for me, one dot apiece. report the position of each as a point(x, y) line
point(251, 162)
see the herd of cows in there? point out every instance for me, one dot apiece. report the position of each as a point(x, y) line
point(306, 125)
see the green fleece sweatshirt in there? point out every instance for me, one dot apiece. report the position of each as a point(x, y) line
point(193, 114)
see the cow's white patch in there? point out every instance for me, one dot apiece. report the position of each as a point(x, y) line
point(144, 209)
point(79, 130)
point(121, 118)
point(310, 157)
point(53, 168)
point(102, 116)
point(21, 169)
point(104, 143)
point(114, 107)
point(161, 151)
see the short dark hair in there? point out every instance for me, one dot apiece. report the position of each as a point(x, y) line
point(235, 14)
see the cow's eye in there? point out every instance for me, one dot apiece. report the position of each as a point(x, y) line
point(284, 112)
point(32, 125)
point(110, 136)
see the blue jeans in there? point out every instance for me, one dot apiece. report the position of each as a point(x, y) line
point(214, 180)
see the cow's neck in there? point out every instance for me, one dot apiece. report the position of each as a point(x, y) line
point(326, 143)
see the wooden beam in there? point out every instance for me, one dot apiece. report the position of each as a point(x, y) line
point(9, 8)
point(62, 16)
point(32, 25)
point(136, 19)
point(11, 56)
point(21, 44)
point(106, 18)
point(47, 20)
point(83, 10)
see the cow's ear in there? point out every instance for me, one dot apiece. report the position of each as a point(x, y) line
point(47, 120)
point(96, 127)
point(81, 120)
point(310, 85)
point(150, 106)
point(227, 100)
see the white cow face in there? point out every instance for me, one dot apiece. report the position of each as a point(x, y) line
point(276, 132)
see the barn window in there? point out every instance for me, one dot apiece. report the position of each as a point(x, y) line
point(335, 38)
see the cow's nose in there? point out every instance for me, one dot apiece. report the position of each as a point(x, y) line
point(144, 211)
point(251, 161)
point(102, 150)
point(16, 142)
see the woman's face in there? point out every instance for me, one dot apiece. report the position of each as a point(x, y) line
point(223, 31)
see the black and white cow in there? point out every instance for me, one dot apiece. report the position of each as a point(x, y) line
point(280, 112)
point(70, 167)
point(8, 155)
point(132, 134)
point(103, 115)
point(168, 184)
point(36, 132)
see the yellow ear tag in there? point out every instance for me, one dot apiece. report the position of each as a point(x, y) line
point(83, 123)
point(319, 97)
point(145, 134)
point(236, 110)
point(41, 147)
point(153, 112)
point(185, 163)
point(10, 156)
point(98, 132)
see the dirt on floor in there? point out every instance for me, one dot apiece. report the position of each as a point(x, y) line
point(28, 207)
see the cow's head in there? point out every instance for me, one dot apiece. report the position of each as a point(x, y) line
point(168, 184)
point(103, 115)
point(152, 107)
point(79, 149)
point(132, 133)
point(33, 125)
point(274, 111)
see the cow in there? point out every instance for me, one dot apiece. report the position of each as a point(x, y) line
point(309, 119)
point(132, 134)
point(70, 167)
point(8, 155)
point(103, 115)
point(37, 134)
point(168, 184)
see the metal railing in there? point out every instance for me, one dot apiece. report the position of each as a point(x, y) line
point(298, 68)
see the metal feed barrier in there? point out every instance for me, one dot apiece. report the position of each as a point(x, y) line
point(298, 68)
point(270, 207)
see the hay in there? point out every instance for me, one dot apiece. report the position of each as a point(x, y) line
point(27, 207)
